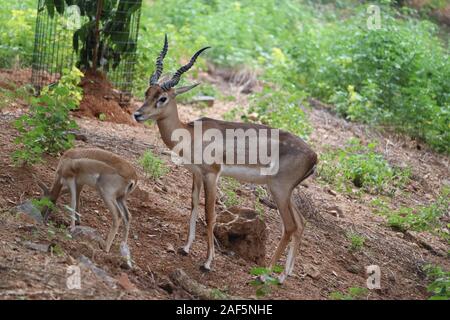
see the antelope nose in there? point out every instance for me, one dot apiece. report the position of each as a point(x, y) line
point(137, 115)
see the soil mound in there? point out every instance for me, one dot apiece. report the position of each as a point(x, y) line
point(101, 100)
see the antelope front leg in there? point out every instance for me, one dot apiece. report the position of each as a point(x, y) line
point(74, 200)
point(196, 187)
point(210, 182)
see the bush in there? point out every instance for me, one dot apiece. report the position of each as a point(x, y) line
point(153, 166)
point(440, 285)
point(360, 166)
point(397, 75)
point(279, 109)
point(17, 32)
point(46, 128)
point(423, 218)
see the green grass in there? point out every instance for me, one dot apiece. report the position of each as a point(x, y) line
point(420, 218)
point(229, 186)
point(153, 166)
point(356, 241)
point(354, 293)
point(359, 167)
point(439, 286)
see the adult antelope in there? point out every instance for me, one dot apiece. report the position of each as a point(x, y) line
point(113, 178)
point(296, 162)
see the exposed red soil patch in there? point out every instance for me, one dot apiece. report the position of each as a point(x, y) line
point(100, 98)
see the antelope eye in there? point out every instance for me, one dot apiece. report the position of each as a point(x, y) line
point(162, 99)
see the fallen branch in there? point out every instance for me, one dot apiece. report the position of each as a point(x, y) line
point(180, 278)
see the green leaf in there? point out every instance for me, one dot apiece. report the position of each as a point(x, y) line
point(50, 7)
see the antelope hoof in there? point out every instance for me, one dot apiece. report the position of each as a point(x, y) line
point(127, 264)
point(126, 256)
point(204, 268)
point(281, 278)
point(182, 251)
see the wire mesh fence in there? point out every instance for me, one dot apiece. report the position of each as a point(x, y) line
point(91, 34)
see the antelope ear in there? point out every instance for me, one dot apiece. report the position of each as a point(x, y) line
point(181, 90)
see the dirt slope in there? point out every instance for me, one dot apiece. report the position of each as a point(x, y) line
point(160, 211)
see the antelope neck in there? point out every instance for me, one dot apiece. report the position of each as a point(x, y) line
point(167, 125)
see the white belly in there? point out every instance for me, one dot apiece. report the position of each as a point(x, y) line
point(242, 173)
point(88, 179)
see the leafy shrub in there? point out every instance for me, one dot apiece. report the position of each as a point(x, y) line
point(265, 281)
point(279, 109)
point(153, 166)
point(17, 32)
point(356, 241)
point(360, 166)
point(46, 128)
point(43, 203)
point(440, 285)
point(396, 75)
point(423, 218)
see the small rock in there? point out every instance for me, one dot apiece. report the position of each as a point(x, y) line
point(353, 268)
point(166, 285)
point(336, 211)
point(102, 274)
point(170, 248)
point(253, 116)
point(332, 192)
point(311, 270)
point(125, 282)
point(140, 194)
point(32, 213)
point(36, 246)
